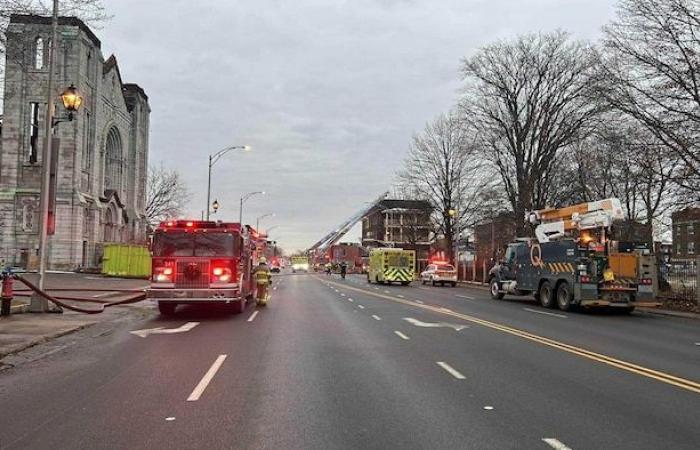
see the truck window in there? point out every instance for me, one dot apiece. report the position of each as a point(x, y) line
point(172, 244)
point(215, 244)
point(195, 244)
point(510, 255)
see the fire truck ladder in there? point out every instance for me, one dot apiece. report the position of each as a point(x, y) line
point(342, 229)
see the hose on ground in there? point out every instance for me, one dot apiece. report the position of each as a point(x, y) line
point(134, 299)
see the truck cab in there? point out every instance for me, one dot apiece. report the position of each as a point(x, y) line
point(200, 262)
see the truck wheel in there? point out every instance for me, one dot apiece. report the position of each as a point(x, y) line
point(564, 296)
point(434, 283)
point(627, 310)
point(422, 280)
point(453, 284)
point(494, 290)
point(167, 308)
point(546, 295)
point(405, 283)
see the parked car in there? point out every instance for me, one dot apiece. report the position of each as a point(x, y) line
point(439, 273)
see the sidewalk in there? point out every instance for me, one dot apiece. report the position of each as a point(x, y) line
point(20, 331)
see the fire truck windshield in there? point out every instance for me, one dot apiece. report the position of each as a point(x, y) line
point(171, 244)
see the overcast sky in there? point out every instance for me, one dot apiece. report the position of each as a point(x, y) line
point(327, 92)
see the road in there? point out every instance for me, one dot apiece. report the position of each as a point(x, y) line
point(343, 364)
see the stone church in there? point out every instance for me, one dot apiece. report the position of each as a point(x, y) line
point(102, 153)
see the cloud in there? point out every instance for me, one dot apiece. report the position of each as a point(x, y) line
point(327, 92)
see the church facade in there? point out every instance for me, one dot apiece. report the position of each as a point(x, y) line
point(102, 153)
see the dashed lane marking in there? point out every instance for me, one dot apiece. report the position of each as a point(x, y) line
point(342, 295)
point(360, 306)
point(420, 302)
point(350, 300)
point(401, 335)
point(419, 323)
point(451, 370)
point(252, 316)
point(387, 292)
point(400, 296)
point(376, 317)
point(545, 313)
point(204, 382)
point(465, 297)
point(555, 443)
point(667, 378)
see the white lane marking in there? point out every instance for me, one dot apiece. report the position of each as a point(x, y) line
point(555, 443)
point(376, 317)
point(451, 370)
point(360, 306)
point(465, 296)
point(446, 309)
point(400, 296)
point(376, 289)
point(160, 330)
point(488, 408)
point(401, 335)
point(420, 302)
point(418, 323)
point(204, 382)
point(697, 343)
point(342, 295)
point(252, 316)
point(169, 419)
point(350, 300)
point(104, 294)
point(274, 288)
point(544, 312)
point(387, 292)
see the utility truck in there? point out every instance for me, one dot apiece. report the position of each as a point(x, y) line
point(573, 262)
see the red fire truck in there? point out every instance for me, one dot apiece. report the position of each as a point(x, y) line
point(202, 262)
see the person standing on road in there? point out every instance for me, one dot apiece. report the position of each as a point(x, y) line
point(263, 278)
point(343, 269)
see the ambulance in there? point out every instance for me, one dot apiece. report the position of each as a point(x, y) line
point(391, 265)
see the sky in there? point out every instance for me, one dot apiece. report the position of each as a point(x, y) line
point(326, 92)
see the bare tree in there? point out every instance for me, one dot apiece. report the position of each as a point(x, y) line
point(652, 73)
point(166, 195)
point(443, 168)
point(528, 100)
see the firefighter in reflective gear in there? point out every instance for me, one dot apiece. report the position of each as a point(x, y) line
point(263, 278)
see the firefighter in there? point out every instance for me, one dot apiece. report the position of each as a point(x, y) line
point(343, 269)
point(263, 278)
point(328, 268)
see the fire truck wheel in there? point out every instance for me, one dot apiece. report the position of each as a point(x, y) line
point(167, 309)
point(564, 296)
point(237, 307)
point(546, 295)
point(494, 290)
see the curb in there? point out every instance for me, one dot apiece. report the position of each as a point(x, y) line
point(669, 313)
point(41, 339)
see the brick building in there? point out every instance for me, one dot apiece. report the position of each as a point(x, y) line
point(400, 223)
point(492, 236)
point(686, 233)
point(102, 153)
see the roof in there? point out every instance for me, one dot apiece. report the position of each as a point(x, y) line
point(65, 21)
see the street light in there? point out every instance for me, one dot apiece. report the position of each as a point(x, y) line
point(213, 158)
point(243, 200)
point(71, 101)
point(267, 231)
point(215, 206)
point(257, 221)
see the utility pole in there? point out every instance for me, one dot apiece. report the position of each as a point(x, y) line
point(38, 303)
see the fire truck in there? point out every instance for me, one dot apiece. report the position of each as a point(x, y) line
point(574, 262)
point(202, 262)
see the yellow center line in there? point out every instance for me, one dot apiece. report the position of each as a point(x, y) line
point(599, 357)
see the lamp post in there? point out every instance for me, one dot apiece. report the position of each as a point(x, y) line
point(213, 158)
point(72, 100)
point(455, 236)
point(215, 207)
point(243, 200)
point(257, 221)
point(267, 230)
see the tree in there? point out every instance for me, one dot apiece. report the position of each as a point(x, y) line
point(528, 100)
point(652, 73)
point(443, 168)
point(166, 195)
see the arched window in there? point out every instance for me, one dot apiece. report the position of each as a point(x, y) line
point(113, 160)
point(109, 225)
point(39, 53)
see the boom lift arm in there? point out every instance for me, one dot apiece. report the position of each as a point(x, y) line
point(554, 223)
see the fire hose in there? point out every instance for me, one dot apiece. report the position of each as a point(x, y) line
point(57, 300)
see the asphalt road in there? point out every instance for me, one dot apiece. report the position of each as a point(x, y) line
point(342, 364)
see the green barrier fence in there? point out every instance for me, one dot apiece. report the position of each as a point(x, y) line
point(124, 260)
